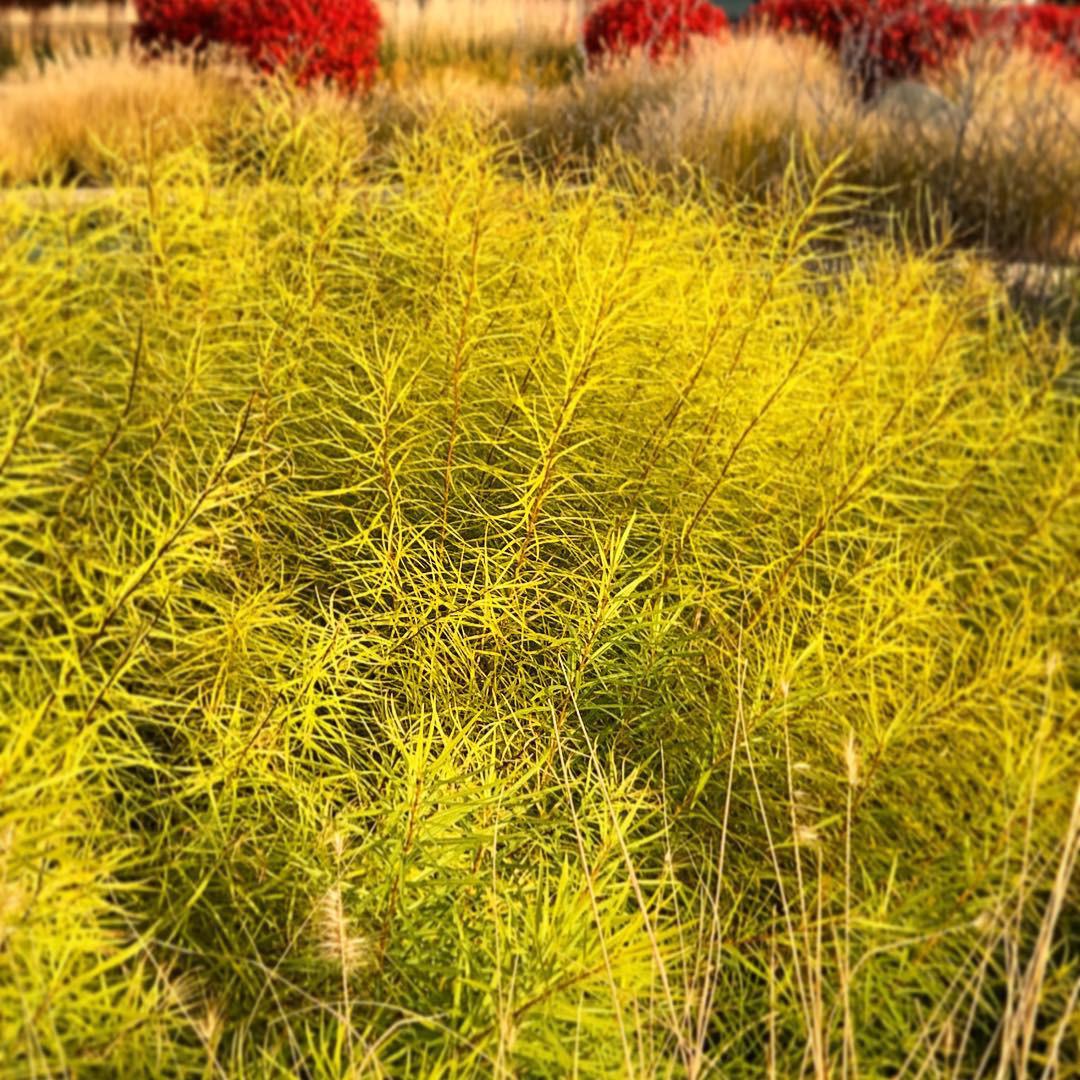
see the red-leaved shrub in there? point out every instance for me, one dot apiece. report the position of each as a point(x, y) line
point(313, 40)
point(877, 40)
point(1049, 30)
point(166, 24)
point(659, 27)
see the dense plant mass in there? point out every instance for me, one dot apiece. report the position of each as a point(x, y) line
point(883, 40)
point(462, 625)
point(878, 40)
point(313, 40)
point(658, 27)
point(168, 24)
point(1049, 30)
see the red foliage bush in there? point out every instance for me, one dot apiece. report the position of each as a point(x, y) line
point(660, 27)
point(314, 40)
point(165, 24)
point(877, 40)
point(1048, 30)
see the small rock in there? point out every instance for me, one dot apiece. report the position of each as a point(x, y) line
point(915, 103)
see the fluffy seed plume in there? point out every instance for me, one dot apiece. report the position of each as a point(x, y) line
point(335, 940)
point(851, 760)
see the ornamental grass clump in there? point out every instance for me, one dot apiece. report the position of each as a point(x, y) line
point(463, 624)
point(987, 154)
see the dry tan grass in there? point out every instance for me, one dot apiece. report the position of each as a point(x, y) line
point(77, 120)
point(1013, 153)
point(61, 15)
point(742, 109)
point(991, 149)
point(459, 21)
point(85, 29)
point(483, 20)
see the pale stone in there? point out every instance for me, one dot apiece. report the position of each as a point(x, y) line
point(915, 103)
